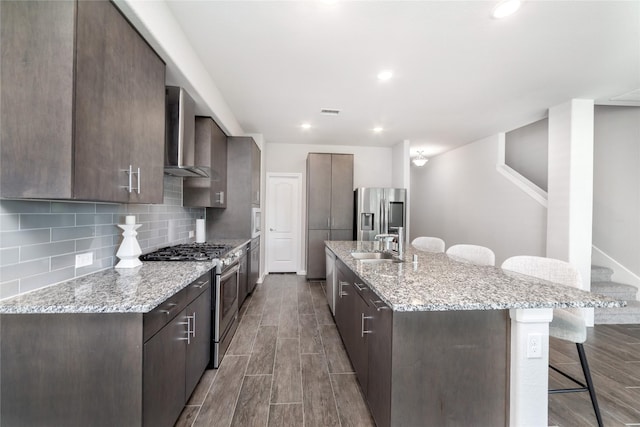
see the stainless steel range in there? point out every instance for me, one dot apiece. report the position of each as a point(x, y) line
point(224, 303)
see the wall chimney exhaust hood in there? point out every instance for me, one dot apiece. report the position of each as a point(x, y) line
point(179, 158)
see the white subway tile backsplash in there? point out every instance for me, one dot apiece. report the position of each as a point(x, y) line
point(39, 239)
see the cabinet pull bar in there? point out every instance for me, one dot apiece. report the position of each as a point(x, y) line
point(201, 285)
point(360, 286)
point(129, 172)
point(193, 331)
point(169, 307)
point(362, 331)
point(138, 189)
point(328, 222)
point(379, 305)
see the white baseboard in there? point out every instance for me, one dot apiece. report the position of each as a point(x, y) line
point(302, 273)
point(621, 274)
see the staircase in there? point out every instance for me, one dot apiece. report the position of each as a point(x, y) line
point(601, 284)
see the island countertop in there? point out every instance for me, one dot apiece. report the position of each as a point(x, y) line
point(438, 282)
point(130, 290)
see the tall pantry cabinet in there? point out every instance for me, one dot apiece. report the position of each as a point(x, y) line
point(329, 205)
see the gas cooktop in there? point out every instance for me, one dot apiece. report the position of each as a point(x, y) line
point(188, 252)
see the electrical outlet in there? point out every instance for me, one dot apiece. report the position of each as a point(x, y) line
point(534, 346)
point(192, 233)
point(82, 260)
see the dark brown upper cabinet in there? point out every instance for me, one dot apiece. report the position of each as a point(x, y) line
point(83, 104)
point(210, 153)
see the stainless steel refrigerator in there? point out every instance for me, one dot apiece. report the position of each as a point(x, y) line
point(379, 211)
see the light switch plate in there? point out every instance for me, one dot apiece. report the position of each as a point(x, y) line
point(82, 260)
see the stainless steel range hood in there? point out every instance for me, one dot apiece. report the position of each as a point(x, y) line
point(179, 158)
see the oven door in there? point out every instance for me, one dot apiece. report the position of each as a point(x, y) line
point(226, 301)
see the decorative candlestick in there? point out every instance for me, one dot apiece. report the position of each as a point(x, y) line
point(129, 249)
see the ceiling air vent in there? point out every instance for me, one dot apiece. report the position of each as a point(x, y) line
point(330, 111)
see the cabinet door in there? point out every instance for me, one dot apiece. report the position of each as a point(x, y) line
point(341, 191)
point(219, 165)
point(198, 344)
point(378, 390)
point(147, 101)
point(316, 268)
point(341, 234)
point(119, 109)
point(255, 174)
point(36, 105)
point(243, 280)
point(164, 374)
point(254, 267)
point(359, 349)
point(210, 152)
point(318, 191)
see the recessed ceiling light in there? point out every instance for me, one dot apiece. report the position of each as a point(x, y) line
point(506, 8)
point(378, 129)
point(305, 126)
point(385, 75)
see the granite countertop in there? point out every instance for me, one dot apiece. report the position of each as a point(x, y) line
point(438, 282)
point(131, 290)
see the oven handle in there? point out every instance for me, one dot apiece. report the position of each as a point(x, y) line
point(230, 273)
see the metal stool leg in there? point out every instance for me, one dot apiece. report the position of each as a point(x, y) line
point(587, 377)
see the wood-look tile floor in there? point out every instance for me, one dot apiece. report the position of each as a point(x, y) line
point(286, 366)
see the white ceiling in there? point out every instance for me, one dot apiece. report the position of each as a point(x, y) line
point(459, 75)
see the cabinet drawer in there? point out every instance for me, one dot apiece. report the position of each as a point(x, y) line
point(154, 320)
point(199, 285)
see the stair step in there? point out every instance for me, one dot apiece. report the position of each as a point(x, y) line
point(623, 315)
point(600, 274)
point(619, 291)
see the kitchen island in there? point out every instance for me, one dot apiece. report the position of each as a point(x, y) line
point(444, 342)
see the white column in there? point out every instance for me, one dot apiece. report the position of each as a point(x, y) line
point(570, 194)
point(529, 379)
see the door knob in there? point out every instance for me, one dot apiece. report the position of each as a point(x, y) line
point(271, 229)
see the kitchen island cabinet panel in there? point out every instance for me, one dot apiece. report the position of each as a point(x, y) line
point(414, 368)
point(97, 113)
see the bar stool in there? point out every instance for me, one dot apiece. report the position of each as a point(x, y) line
point(428, 244)
point(479, 255)
point(567, 324)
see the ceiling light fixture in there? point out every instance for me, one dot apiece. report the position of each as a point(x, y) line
point(385, 75)
point(378, 129)
point(305, 126)
point(420, 160)
point(506, 8)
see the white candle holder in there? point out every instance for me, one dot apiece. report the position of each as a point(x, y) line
point(129, 249)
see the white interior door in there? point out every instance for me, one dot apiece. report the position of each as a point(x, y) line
point(283, 222)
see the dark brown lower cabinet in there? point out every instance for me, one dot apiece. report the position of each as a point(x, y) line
point(105, 369)
point(164, 381)
point(425, 367)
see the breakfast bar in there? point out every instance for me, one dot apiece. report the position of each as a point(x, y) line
point(441, 341)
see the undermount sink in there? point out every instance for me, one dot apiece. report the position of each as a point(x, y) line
point(375, 257)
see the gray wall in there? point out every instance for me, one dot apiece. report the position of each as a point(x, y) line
point(460, 197)
point(616, 176)
point(39, 239)
point(526, 151)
